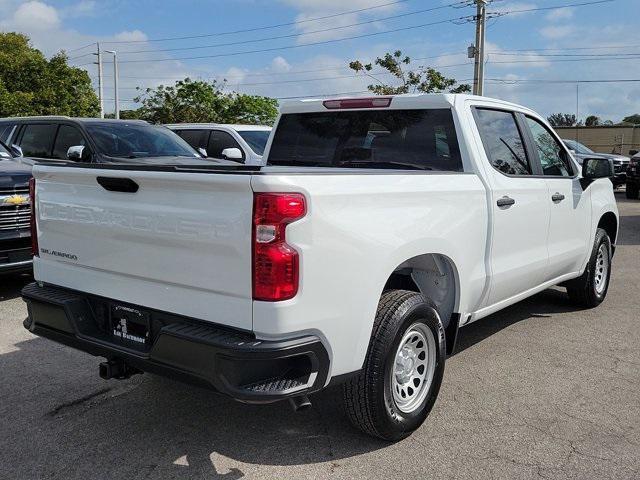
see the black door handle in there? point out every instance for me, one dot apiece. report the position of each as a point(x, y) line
point(505, 201)
point(116, 184)
point(557, 197)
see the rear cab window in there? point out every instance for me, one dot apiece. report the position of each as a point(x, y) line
point(421, 139)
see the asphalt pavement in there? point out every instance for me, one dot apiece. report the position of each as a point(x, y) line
point(539, 390)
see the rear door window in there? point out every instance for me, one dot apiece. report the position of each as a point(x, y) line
point(68, 136)
point(37, 140)
point(380, 139)
point(503, 142)
point(195, 138)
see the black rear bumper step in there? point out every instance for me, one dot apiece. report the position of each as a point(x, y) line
point(230, 361)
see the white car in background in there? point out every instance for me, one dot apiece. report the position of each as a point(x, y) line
point(239, 143)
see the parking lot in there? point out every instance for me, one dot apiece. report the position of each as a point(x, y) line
point(541, 389)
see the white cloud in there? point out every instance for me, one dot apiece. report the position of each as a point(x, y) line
point(35, 15)
point(131, 36)
point(560, 14)
point(83, 8)
point(557, 31)
point(279, 64)
point(339, 25)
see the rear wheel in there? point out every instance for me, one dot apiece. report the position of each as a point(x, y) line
point(632, 190)
point(590, 289)
point(403, 369)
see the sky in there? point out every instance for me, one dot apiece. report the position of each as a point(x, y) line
point(533, 57)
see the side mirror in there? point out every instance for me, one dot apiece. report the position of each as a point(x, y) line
point(232, 154)
point(593, 168)
point(633, 152)
point(16, 150)
point(77, 153)
point(202, 152)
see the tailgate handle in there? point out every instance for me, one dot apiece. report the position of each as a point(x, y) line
point(116, 184)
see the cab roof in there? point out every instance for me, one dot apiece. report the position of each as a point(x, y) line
point(399, 102)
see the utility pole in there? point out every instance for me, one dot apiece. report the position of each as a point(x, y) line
point(478, 70)
point(577, 107)
point(100, 81)
point(115, 82)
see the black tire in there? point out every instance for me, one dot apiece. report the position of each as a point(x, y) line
point(582, 290)
point(631, 191)
point(368, 397)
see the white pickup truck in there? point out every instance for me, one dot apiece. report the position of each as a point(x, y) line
point(376, 229)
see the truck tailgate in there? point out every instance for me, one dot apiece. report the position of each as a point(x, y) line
point(181, 243)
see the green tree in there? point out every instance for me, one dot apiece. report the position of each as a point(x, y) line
point(634, 119)
point(592, 121)
point(194, 101)
point(422, 79)
point(562, 120)
point(32, 85)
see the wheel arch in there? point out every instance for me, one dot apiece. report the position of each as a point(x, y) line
point(435, 276)
point(609, 223)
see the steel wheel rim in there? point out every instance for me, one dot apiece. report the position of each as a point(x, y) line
point(413, 367)
point(602, 269)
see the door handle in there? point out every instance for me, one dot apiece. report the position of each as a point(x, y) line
point(117, 184)
point(557, 197)
point(505, 201)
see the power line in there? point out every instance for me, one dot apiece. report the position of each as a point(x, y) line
point(567, 48)
point(301, 45)
point(566, 60)
point(538, 9)
point(572, 54)
point(534, 80)
point(292, 35)
point(266, 27)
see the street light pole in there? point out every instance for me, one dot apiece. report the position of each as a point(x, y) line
point(478, 69)
point(100, 81)
point(115, 82)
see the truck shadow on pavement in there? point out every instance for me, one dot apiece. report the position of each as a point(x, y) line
point(149, 426)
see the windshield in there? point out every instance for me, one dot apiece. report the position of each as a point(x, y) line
point(134, 140)
point(384, 139)
point(257, 139)
point(577, 147)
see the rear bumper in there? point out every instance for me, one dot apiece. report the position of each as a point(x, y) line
point(229, 361)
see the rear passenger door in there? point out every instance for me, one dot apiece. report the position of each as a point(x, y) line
point(519, 202)
point(570, 206)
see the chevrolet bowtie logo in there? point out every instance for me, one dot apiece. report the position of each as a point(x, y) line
point(14, 200)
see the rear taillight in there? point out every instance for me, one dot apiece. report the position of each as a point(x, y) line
point(34, 230)
point(275, 263)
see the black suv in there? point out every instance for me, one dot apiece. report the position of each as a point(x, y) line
point(95, 140)
point(15, 212)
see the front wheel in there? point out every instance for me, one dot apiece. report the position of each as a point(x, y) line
point(590, 289)
point(403, 370)
point(631, 190)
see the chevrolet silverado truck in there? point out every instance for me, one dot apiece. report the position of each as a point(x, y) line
point(377, 228)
